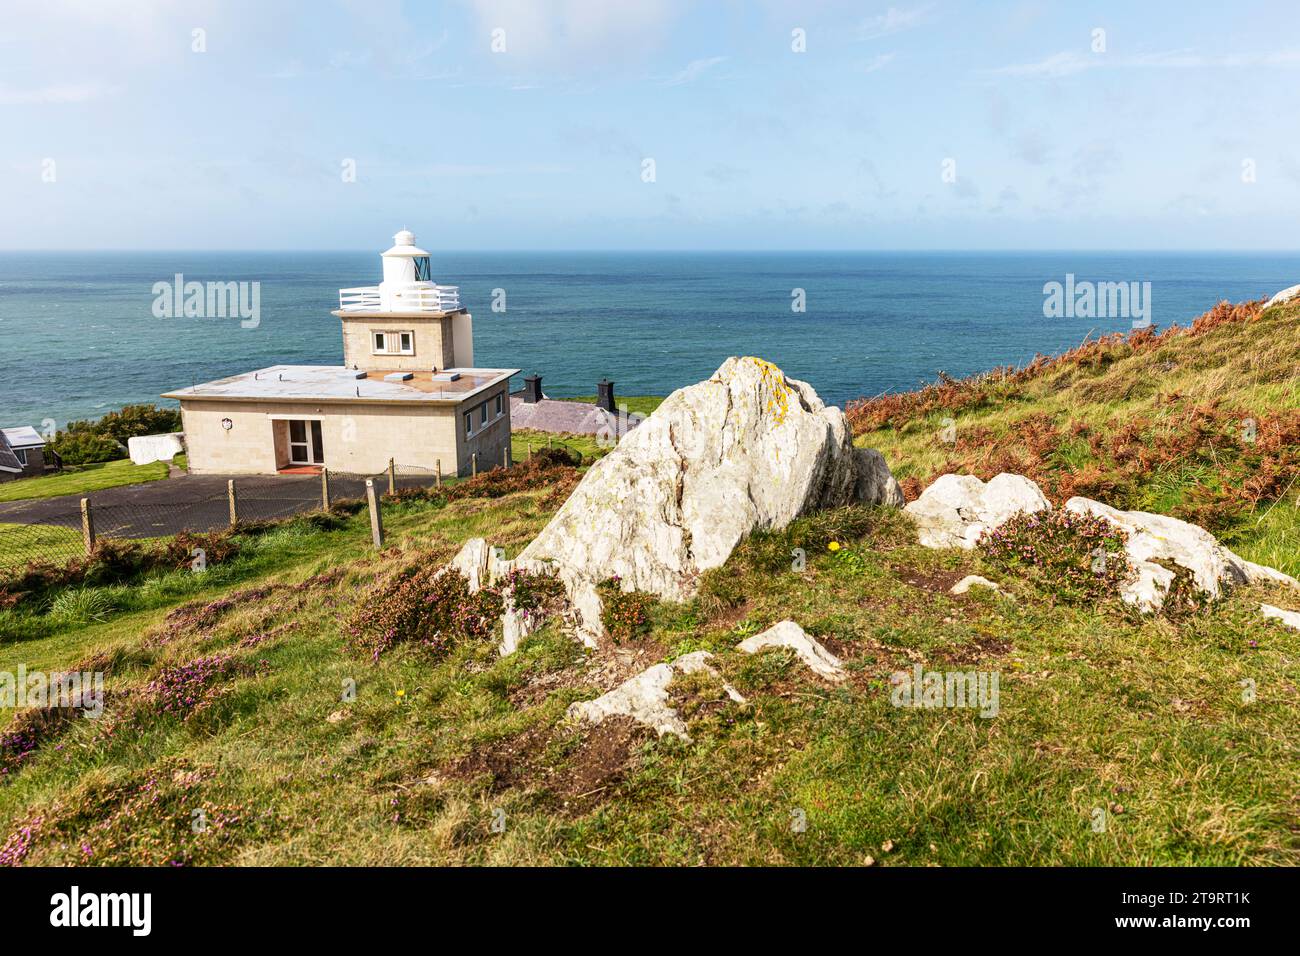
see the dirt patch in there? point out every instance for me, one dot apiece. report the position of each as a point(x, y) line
point(570, 768)
point(981, 648)
point(937, 582)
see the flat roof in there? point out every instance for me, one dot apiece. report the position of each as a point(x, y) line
point(335, 383)
point(23, 436)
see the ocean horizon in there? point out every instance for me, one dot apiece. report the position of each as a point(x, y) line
point(79, 335)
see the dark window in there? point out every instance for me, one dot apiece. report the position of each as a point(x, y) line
point(423, 270)
point(469, 424)
point(482, 414)
point(498, 408)
point(21, 455)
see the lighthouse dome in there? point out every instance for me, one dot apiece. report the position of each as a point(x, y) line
point(405, 246)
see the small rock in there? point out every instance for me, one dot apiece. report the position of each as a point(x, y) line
point(1286, 295)
point(887, 846)
point(1152, 538)
point(956, 509)
point(1289, 619)
point(337, 716)
point(789, 634)
point(644, 697)
point(869, 861)
point(970, 581)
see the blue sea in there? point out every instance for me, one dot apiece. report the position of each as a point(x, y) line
point(78, 336)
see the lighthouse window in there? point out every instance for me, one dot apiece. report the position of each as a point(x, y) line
point(393, 343)
point(423, 271)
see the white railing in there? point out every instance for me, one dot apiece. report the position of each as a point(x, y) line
point(420, 298)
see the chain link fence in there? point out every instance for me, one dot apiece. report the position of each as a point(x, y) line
point(68, 528)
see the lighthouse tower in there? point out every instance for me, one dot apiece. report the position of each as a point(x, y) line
point(408, 322)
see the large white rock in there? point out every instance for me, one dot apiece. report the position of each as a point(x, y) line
point(145, 449)
point(1286, 295)
point(1153, 537)
point(956, 509)
point(809, 650)
point(644, 697)
point(746, 450)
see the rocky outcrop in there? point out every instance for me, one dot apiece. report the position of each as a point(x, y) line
point(746, 450)
point(790, 635)
point(645, 697)
point(956, 509)
point(1286, 295)
point(1153, 539)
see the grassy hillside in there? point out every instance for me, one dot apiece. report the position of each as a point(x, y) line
point(224, 697)
point(1201, 422)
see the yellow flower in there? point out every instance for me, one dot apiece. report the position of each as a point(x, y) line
point(401, 693)
point(834, 546)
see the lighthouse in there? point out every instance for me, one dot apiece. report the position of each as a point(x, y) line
point(408, 322)
point(407, 399)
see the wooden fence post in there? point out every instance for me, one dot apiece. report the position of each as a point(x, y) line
point(392, 477)
point(325, 489)
point(376, 519)
point(230, 495)
point(87, 526)
point(473, 465)
point(437, 473)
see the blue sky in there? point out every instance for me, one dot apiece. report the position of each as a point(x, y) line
point(1180, 134)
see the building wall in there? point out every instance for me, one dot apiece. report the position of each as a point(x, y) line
point(489, 441)
point(434, 342)
point(356, 438)
point(35, 462)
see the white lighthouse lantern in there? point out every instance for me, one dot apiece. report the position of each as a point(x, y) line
point(407, 285)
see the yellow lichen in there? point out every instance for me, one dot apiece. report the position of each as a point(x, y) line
point(778, 392)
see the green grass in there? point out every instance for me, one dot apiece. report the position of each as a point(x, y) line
point(84, 479)
point(20, 542)
point(523, 439)
point(636, 404)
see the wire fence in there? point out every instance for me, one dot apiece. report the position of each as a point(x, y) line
point(58, 530)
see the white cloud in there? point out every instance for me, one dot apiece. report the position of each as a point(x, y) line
point(65, 93)
point(560, 30)
point(693, 71)
point(876, 63)
point(894, 21)
point(1069, 62)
